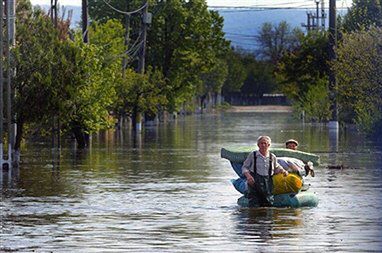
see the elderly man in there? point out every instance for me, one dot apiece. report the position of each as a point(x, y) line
point(293, 164)
point(291, 144)
point(258, 169)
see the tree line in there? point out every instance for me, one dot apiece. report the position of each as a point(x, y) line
point(87, 87)
point(298, 65)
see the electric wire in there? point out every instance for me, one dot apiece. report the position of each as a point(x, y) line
point(282, 5)
point(125, 12)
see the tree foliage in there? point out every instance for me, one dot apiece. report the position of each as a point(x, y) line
point(32, 56)
point(139, 93)
point(315, 104)
point(302, 69)
point(259, 78)
point(103, 11)
point(86, 85)
point(58, 78)
point(276, 40)
point(359, 78)
point(299, 69)
point(248, 76)
point(363, 14)
point(109, 37)
point(236, 73)
point(186, 42)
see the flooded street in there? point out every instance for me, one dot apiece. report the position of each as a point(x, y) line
point(168, 190)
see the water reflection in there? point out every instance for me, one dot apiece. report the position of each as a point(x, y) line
point(264, 224)
point(9, 179)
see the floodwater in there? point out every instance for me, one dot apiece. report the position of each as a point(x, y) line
point(168, 190)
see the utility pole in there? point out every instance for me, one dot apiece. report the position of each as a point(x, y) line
point(56, 119)
point(146, 20)
point(53, 12)
point(85, 22)
point(127, 39)
point(10, 7)
point(317, 15)
point(323, 15)
point(307, 25)
point(332, 56)
point(1, 86)
point(313, 19)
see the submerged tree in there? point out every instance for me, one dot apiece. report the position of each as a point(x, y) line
point(87, 89)
point(57, 78)
point(140, 93)
point(185, 43)
point(36, 37)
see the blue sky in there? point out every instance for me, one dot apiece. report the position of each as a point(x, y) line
point(235, 3)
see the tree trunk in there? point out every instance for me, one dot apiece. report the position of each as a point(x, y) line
point(19, 133)
point(81, 137)
point(134, 118)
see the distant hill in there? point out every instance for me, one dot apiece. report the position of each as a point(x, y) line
point(241, 25)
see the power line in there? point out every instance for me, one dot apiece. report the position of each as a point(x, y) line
point(126, 12)
point(241, 35)
point(295, 4)
point(284, 5)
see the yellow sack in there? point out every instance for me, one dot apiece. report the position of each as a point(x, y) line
point(290, 183)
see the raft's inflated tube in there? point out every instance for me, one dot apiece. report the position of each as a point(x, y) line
point(238, 155)
point(302, 199)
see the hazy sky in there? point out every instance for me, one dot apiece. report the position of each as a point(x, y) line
point(254, 3)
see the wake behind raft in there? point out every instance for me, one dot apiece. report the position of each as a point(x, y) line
point(303, 198)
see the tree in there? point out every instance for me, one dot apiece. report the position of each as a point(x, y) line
point(215, 72)
point(299, 71)
point(274, 41)
point(236, 73)
point(359, 77)
point(363, 14)
point(58, 78)
point(86, 88)
point(102, 11)
point(36, 38)
point(315, 104)
point(110, 37)
point(304, 66)
point(127, 13)
point(140, 93)
point(259, 78)
point(185, 42)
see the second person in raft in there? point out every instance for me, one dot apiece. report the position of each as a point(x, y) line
point(258, 169)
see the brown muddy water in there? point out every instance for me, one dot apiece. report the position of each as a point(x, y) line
point(168, 190)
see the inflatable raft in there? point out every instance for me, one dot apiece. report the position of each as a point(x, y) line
point(301, 199)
